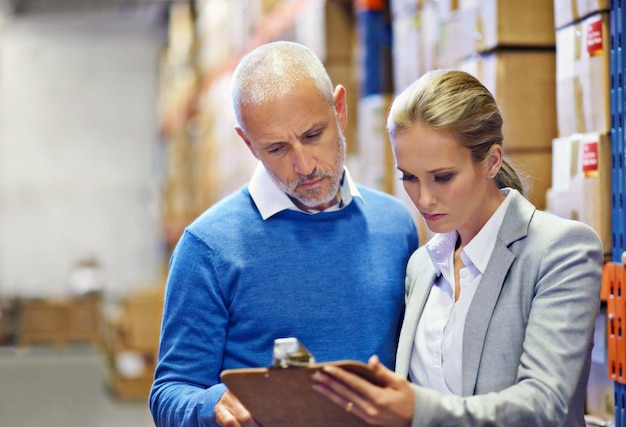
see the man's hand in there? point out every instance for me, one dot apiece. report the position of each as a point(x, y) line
point(229, 412)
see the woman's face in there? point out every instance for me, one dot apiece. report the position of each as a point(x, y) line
point(450, 191)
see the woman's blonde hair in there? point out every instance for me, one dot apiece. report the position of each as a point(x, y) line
point(455, 102)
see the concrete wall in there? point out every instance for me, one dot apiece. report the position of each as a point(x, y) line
point(80, 155)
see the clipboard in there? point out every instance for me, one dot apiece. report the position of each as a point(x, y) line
point(284, 397)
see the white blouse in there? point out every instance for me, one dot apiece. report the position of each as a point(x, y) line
point(437, 356)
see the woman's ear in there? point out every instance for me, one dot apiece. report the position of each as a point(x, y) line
point(494, 161)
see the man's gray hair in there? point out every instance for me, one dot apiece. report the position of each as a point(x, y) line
point(273, 71)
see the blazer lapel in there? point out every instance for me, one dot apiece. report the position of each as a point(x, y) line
point(418, 292)
point(514, 227)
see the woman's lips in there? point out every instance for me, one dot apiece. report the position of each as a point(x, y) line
point(432, 217)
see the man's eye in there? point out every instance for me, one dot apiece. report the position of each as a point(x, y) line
point(276, 149)
point(314, 135)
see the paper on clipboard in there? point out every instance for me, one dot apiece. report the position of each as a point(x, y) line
point(284, 397)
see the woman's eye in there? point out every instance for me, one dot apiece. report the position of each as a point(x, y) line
point(408, 177)
point(443, 178)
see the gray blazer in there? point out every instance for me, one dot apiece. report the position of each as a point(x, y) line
point(529, 330)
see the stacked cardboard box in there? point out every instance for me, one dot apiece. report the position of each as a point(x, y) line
point(523, 84)
point(510, 47)
point(8, 320)
point(581, 182)
point(132, 340)
point(582, 189)
point(583, 96)
point(60, 321)
point(582, 169)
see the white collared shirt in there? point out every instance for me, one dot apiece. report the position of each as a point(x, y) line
point(437, 356)
point(270, 199)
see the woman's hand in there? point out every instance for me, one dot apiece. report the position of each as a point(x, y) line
point(390, 405)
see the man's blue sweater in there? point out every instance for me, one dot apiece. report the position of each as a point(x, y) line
point(334, 280)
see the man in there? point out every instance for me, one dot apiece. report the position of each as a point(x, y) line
point(300, 251)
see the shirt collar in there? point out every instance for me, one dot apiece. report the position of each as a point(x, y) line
point(479, 249)
point(270, 199)
point(440, 247)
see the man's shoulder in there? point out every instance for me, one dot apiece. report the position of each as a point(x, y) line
point(376, 196)
point(373, 192)
point(236, 207)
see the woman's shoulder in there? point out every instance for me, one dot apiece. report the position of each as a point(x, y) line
point(550, 223)
point(523, 215)
point(550, 236)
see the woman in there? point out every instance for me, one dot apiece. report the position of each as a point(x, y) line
point(501, 302)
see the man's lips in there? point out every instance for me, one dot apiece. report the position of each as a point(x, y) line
point(311, 183)
point(432, 217)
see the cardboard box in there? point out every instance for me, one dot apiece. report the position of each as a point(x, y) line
point(456, 38)
point(569, 11)
point(535, 168)
point(583, 76)
point(373, 163)
point(8, 320)
point(528, 23)
point(328, 28)
point(402, 7)
point(523, 83)
point(445, 8)
point(132, 342)
point(42, 321)
point(407, 49)
point(415, 47)
point(130, 388)
point(581, 182)
point(495, 24)
point(84, 320)
point(141, 319)
point(129, 374)
point(60, 321)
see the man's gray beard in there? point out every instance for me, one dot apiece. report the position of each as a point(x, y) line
point(312, 202)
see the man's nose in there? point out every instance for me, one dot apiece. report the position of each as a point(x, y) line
point(303, 160)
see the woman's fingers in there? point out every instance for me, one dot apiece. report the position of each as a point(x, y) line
point(390, 403)
point(338, 392)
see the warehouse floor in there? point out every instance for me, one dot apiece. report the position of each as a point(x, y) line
point(52, 387)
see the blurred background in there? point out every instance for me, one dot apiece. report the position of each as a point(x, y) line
point(116, 131)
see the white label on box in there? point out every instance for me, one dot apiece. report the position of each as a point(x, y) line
point(562, 170)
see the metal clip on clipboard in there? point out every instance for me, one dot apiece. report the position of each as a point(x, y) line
point(290, 353)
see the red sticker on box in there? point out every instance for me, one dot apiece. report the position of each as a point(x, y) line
point(594, 37)
point(590, 157)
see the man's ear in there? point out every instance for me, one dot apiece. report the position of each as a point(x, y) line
point(243, 136)
point(341, 105)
